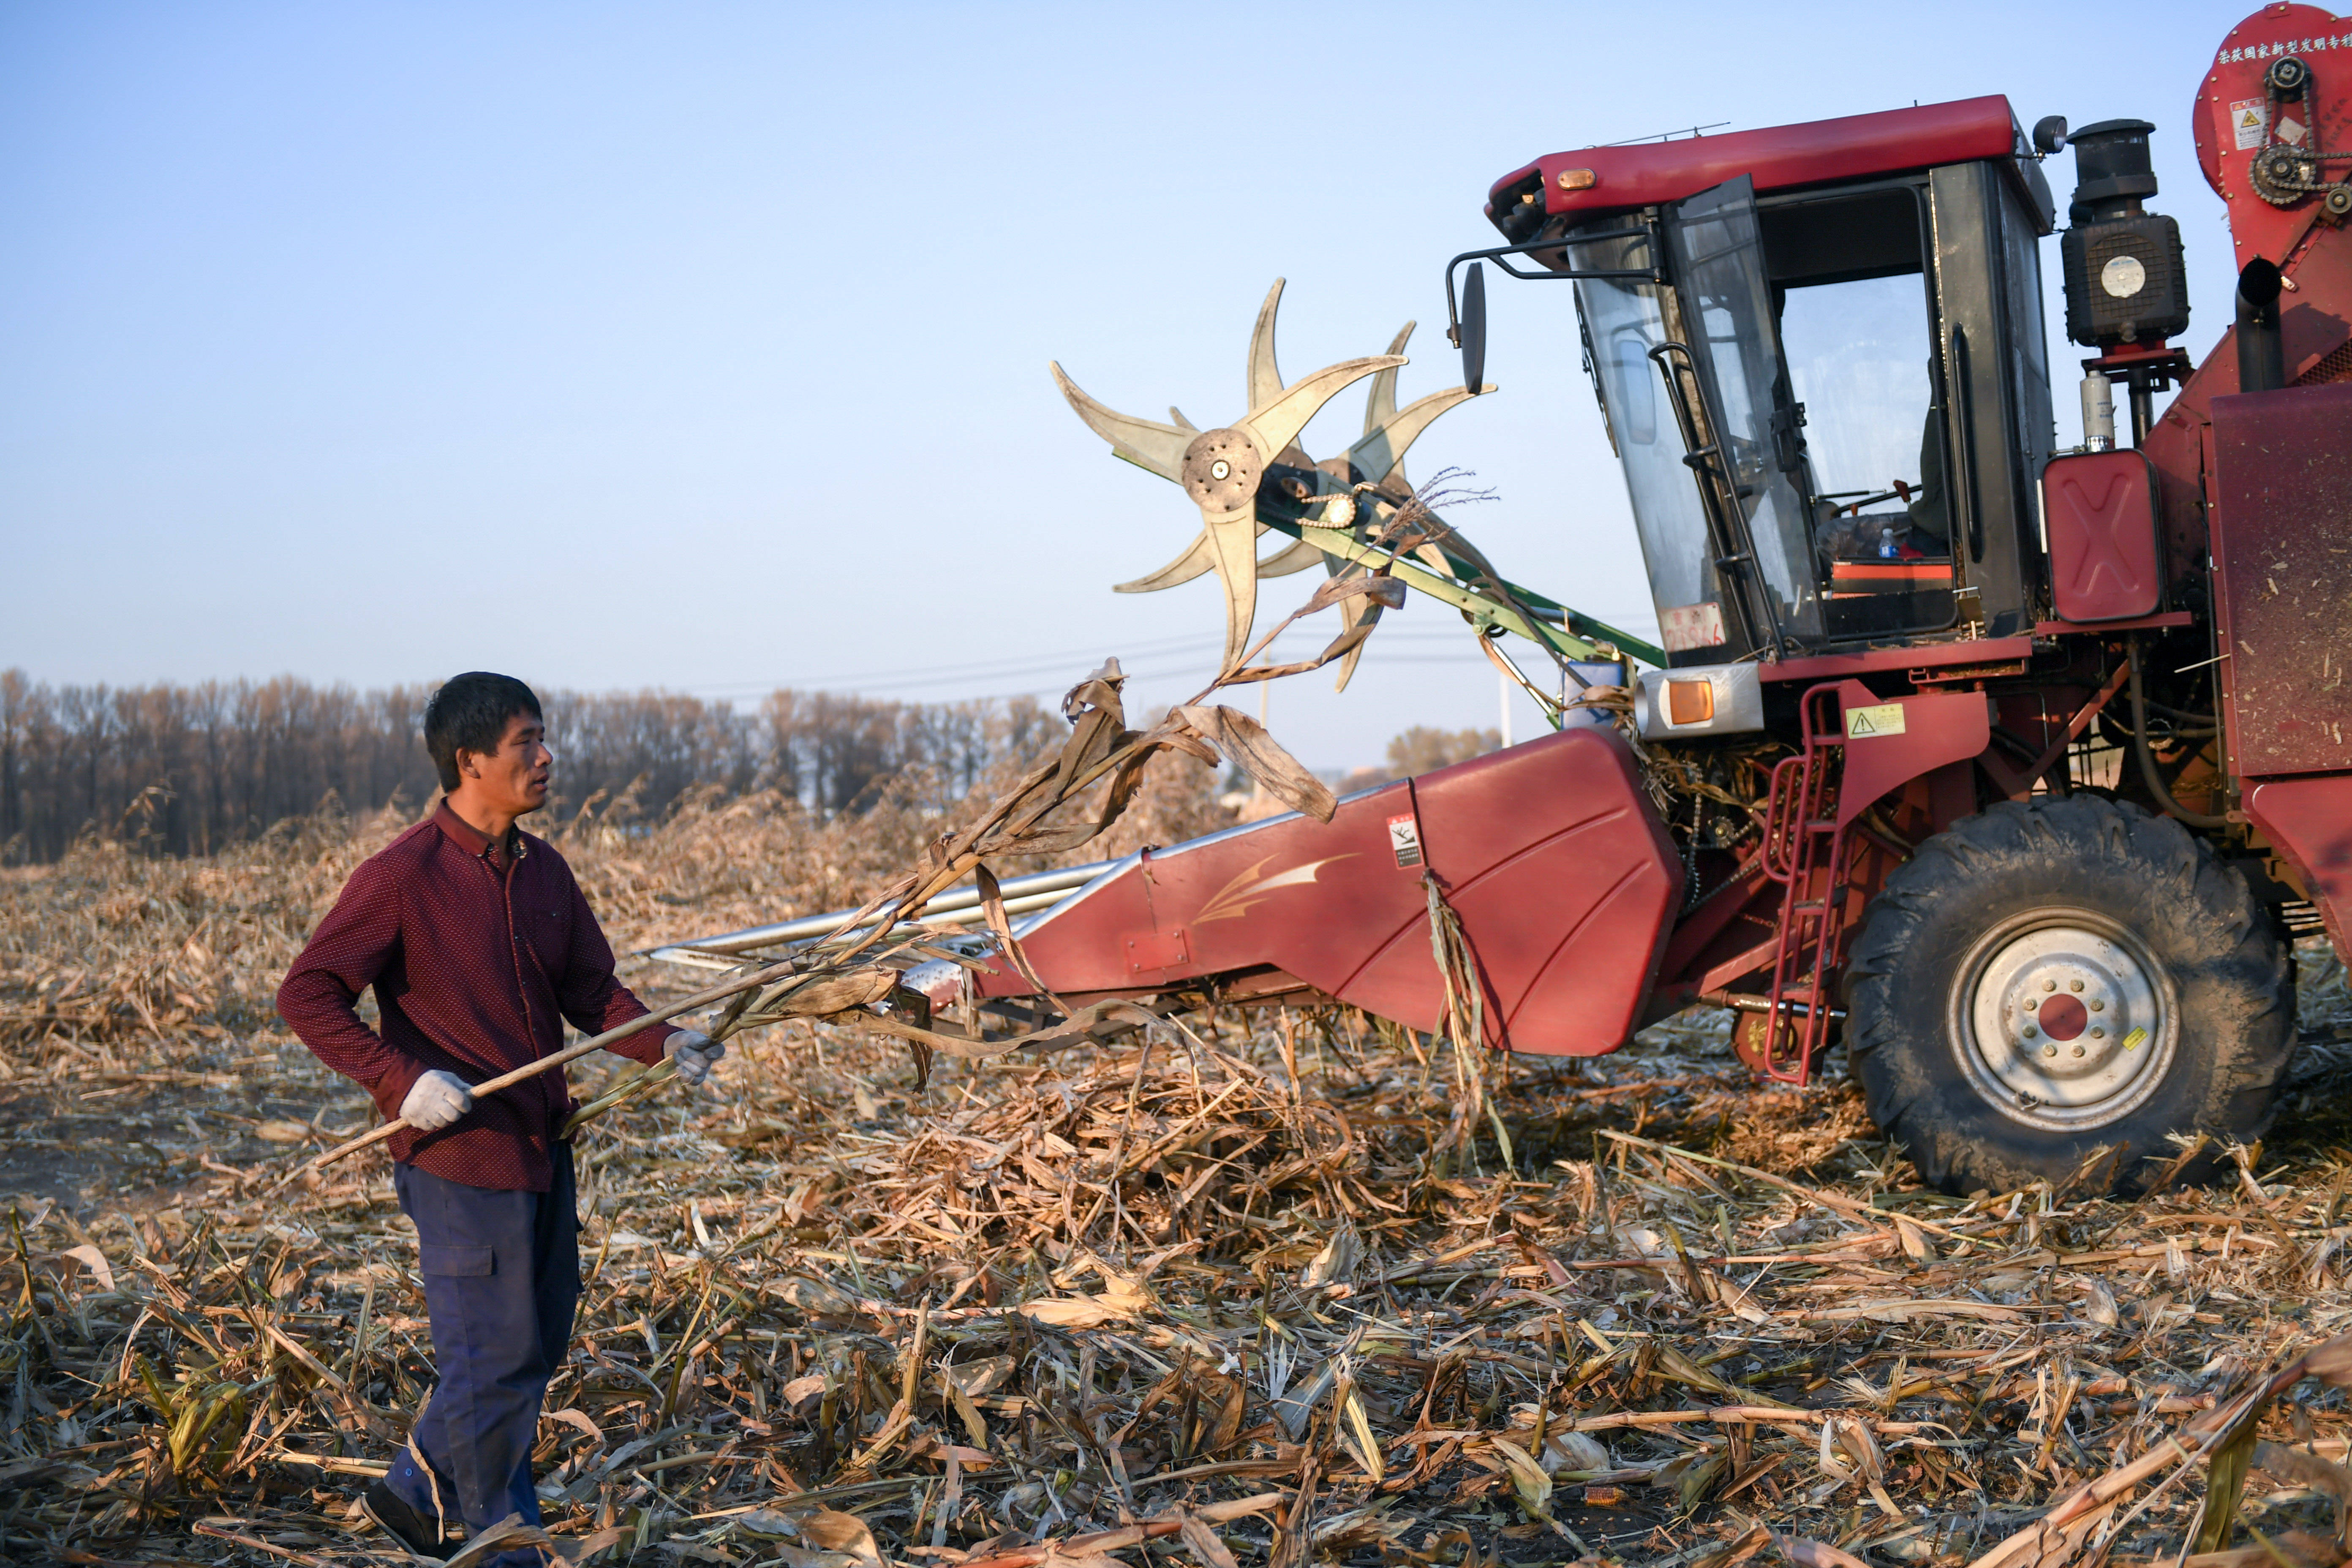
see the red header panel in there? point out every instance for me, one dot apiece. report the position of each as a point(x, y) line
point(1562, 876)
point(1853, 147)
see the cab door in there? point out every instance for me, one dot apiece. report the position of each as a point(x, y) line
point(1751, 455)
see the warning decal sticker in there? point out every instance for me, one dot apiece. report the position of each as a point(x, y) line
point(1404, 837)
point(1882, 719)
point(2249, 117)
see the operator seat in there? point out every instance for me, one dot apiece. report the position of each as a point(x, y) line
point(1931, 506)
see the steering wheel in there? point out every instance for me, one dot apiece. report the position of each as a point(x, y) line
point(1902, 491)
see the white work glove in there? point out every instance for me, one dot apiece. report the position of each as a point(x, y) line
point(694, 1054)
point(435, 1101)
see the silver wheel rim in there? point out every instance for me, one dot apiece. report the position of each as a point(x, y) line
point(2064, 1020)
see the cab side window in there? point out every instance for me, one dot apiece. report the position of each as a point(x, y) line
point(1857, 330)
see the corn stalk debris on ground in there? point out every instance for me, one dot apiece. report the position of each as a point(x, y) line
point(1241, 1288)
point(1206, 1286)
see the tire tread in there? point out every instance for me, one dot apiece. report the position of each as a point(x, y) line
point(2189, 893)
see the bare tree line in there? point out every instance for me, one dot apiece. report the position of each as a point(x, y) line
point(186, 770)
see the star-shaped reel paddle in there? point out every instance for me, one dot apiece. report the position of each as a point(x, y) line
point(1226, 469)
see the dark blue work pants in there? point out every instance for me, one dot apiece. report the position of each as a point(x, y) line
point(501, 1278)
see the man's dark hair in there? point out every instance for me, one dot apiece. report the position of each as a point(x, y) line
point(471, 710)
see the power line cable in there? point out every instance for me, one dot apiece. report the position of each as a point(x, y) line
point(985, 668)
point(1388, 648)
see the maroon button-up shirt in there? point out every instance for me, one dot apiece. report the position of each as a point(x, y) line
point(478, 953)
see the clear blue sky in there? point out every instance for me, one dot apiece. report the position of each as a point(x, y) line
point(704, 346)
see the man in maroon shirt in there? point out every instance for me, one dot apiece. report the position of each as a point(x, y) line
point(479, 946)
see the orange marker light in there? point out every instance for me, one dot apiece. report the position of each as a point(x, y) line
point(1577, 179)
point(1689, 701)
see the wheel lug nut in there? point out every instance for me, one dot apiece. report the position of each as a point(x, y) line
point(2073, 985)
point(2032, 1003)
point(2078, 1050)
point(2050, 986)
point(2098, 1004)
point(2049, 1051)
point(2097, 1034)
point(2031, 1031)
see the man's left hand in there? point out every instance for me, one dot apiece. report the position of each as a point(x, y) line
point(694, 1054)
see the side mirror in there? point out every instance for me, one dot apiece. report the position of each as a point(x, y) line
point(1474, 329)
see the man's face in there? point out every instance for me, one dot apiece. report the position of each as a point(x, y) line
point(514, 777)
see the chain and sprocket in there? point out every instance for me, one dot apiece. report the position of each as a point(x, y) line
point(2292, 164)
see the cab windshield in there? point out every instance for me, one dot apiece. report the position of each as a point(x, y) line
point(1859, 358)
point(1850, 296)
point(1802, 339)
point(1623, 322)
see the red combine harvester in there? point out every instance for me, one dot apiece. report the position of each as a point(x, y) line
point(2017, 769)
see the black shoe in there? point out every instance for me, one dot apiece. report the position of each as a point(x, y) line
point(397, 1517)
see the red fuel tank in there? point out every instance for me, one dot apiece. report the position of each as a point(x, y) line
point(1563, 878)
point(2105, 563)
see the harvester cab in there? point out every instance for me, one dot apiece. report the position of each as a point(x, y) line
point(1823, 374)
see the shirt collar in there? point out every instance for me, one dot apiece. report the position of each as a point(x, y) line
point(473, 840)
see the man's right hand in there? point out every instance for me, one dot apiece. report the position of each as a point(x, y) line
point(694, 1054)
point(435, 1101)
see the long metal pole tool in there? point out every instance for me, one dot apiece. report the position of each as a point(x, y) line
point(506, 1080)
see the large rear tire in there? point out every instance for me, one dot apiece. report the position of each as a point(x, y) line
point(2058, 977)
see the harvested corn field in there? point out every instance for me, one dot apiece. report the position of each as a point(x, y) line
point(1243, 1288)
